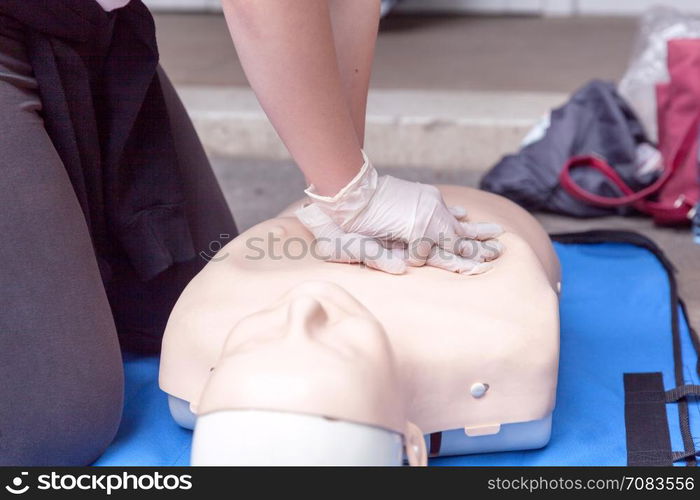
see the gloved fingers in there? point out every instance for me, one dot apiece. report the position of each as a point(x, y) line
point(470, 250)
point(397, 245)
point(317, 221)
point(355, 248)
point(418, 251)
point(480, 251)
point(335, 245)
point(459, 212)
point(376, 256)
point(479, 230)
point(449, 261)
point(390, 262)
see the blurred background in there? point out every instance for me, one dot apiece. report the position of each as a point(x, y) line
point(456, 85)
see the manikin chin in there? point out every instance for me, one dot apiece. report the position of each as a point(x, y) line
point(278, 357)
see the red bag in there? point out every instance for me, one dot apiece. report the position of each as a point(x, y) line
point(672, 197)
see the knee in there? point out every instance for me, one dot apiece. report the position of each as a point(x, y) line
point(68, 420)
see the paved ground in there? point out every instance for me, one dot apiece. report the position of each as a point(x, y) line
point(433, 52)
point(258, 189)
point(447, 91)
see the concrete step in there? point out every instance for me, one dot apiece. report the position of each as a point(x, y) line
point(465, 130)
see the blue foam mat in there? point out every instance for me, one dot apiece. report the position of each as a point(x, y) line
point(615, 318)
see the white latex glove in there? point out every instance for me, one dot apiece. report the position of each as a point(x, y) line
point(406, 216)
point(335, 245)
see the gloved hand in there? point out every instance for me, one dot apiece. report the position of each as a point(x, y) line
point(335, 245)
point(407, 218)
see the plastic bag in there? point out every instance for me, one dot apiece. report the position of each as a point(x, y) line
point(647, 66)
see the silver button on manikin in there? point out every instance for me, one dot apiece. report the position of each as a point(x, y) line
point(479, 389)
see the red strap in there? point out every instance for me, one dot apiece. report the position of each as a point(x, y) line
point(678, 114)
point(629, 197)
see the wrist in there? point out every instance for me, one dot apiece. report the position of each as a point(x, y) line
point(352, 198)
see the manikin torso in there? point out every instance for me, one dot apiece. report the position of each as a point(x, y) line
point(476, 353)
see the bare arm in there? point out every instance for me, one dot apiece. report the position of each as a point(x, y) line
point(289, 56)
point(355, 24)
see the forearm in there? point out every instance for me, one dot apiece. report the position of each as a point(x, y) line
point(355, 24)
point(288, 54)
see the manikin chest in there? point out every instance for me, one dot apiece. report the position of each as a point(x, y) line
point(478, 355)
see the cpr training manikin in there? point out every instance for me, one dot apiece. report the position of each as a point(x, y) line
point(276, 356)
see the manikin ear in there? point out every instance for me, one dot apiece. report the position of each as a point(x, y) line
point(415, 445)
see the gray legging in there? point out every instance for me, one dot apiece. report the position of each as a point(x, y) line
point(61, 376)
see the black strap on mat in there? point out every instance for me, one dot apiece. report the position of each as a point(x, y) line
point(683, 391)
point(648, 439)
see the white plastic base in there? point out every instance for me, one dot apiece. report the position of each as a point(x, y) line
point(181, 413)
point(251, 437)
point(511, 437)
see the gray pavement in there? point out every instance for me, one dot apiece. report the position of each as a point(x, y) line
point(515, 53)
point(447, 91)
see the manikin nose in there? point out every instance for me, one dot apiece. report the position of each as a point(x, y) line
point(305, 316)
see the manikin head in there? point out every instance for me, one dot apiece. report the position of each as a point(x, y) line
point(310, 380)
